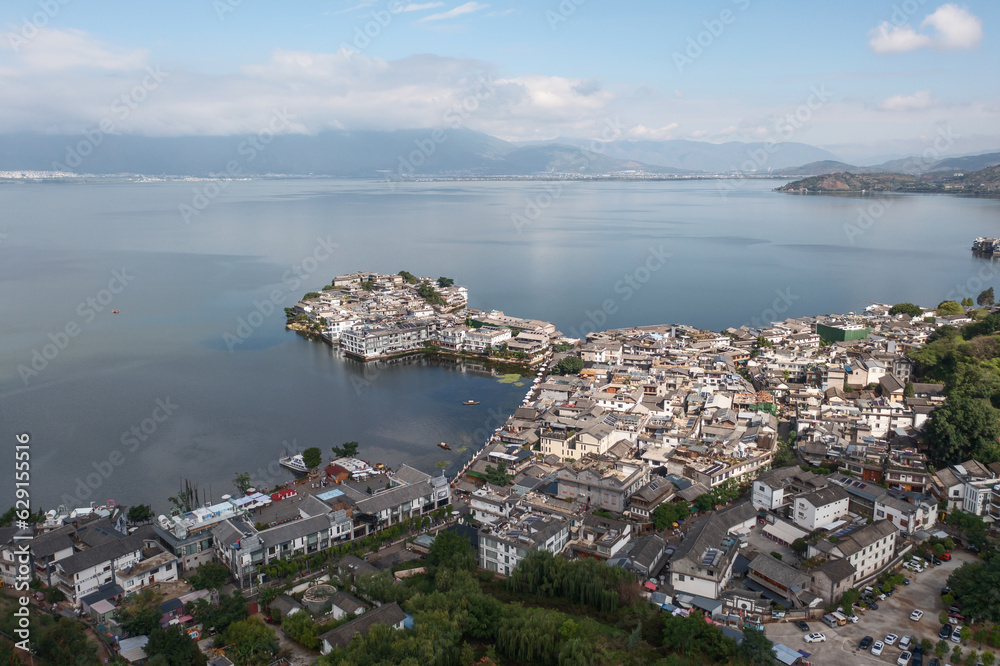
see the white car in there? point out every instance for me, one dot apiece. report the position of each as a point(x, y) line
point(890, 639)
point(853, 619)
point(815, 638)
point(904, 642)
point(877, 647)
point(916, 615)
point(904, 659)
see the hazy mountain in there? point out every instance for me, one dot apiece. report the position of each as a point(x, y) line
point(984, 181)
point(398, 153)
point(704, 156)
point(913, 165)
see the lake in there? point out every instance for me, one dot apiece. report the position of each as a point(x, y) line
point(125, 406)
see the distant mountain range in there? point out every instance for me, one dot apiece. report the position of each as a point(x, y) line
point(909, 165)
point(428, 152)
point(983, 182)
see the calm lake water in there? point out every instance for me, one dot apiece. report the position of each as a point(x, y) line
point(583, 255)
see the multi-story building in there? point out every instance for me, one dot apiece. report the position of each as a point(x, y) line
point(503, 546)
point(602, 483)
point(868, 548)
point(820, 508)
point(908, 516)
point(703, 563)
point(368, 342)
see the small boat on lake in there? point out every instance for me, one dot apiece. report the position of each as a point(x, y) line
point(471, 402)
point(444, 446)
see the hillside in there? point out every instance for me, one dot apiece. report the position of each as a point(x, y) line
point(985, 181)
point(913, 165)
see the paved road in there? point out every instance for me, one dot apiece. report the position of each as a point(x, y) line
point(893, 616)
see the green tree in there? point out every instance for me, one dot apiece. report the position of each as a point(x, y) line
point(243, 482)
point(967, 302)
point(938, 549)
point(667, 513)
point(312, 457)
point(348, 450)
point(175, 646)
point(908, 391)
point(956, 654)
point(408, 278)
point(140, 513)
point(451, 550)
point(947, 308)
point(231, 608)
point(61, 642)
point(757, 649)
point(988, 657)
point(498, 475)
point(301, 629)
point(569, 365)
point(209, 575)
point(141, 613)
point(445, 282)
point(800, 546)
point(966, 633)
point(985, 298)
point(906, 309)
point(960, 429)
point(941, 647)
point(252, 641)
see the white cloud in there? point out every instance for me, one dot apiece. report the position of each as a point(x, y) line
point(73, 49)
point(951, 28)
point(918, 100)
point(467, 8)
point(642, 132)
point(416, 7)
point(727, 131)
point(698, 134)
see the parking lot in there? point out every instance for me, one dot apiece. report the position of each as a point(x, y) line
point(892, 616)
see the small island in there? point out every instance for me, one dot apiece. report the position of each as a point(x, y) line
point(983, 182)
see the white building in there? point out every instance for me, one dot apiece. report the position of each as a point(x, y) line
point(503, 547)
point(821, 507)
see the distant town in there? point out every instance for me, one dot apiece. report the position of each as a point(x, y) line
point(753, 477)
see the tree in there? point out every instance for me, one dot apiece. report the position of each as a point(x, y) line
point(63, 641)
point(947, 308)
point(209, 575)
point(906, 309)
point(252, 641)
point(243, 482)
point(704, 502)
point(985, 298)
point(301, 629)
point(966, 633)
point(348, 450)
point(941, 648)
point(140, 513)
point(231, 608)
point(800, 546)
point(908, 391)
point(988, 657)
point(757, 649)
point(967, 302)
point(956, 654)
point(445, 282)
point(408, 278)
point(312, 457)
point(175, 646)
point(570, 365)
point(938, 549)
point(960, 429)
point(498, 475)
point(667, 513)
point(451, 550)
point(141, 614)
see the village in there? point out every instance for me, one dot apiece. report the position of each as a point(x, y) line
point(758, 476)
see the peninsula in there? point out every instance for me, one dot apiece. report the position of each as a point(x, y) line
point(983, 182)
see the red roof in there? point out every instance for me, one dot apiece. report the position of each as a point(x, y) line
point(282, 494)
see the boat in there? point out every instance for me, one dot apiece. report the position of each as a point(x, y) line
point(115, 311)
point(294, 463)
point(471, 402)
point(444, 446)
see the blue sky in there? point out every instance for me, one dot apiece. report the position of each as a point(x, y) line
point(864, 77)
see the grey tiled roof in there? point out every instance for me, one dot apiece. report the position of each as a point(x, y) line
point(387, 614)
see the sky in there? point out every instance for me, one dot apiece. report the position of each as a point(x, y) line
point(865, 79)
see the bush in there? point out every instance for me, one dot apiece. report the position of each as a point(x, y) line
point(775, 554)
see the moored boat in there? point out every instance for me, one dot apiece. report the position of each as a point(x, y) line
point(294, 463)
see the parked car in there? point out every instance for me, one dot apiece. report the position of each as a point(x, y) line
point(945, 590)
point(890, 639)
point(956, 634)
point(872, 605)
point(946, 557)
point(934, 662)
point(866, 642)
point(945, 632)
point(904, 642)
point(938, 561)
point(903, 659)
point(877, 648)
point(802, 625)
point(916, 615)
point(906, 581)
point(853, 619)
point(815, 637)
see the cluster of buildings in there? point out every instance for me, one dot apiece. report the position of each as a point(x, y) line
point(370, 316)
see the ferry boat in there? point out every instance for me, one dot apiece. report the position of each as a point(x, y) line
point(444, 446)
point(471, 402)
point(294, 463)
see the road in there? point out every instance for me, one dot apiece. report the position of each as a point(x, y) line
point(893, 616)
